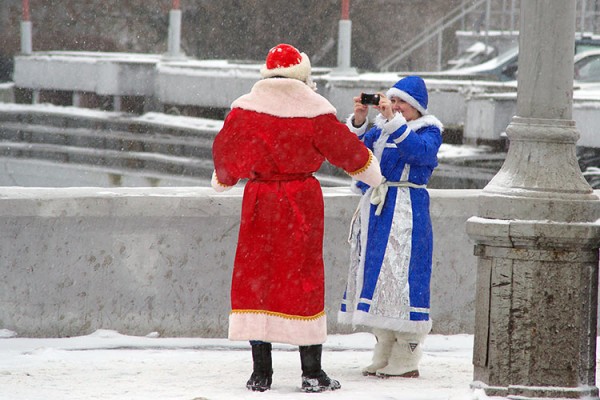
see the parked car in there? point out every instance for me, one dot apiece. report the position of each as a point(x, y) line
point(500, 68)
point(504, 67)
point(475, 54)
point(587, 66)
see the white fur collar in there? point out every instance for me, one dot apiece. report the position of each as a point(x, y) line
point(286, 98)
point(414, 125)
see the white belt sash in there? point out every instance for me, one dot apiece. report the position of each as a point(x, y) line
point(379, 193)
point(378, 196)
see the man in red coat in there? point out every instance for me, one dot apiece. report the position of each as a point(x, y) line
point(277, 136)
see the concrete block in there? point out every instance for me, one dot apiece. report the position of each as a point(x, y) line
point(488, 115)
point(159, 259)
point(7, 92)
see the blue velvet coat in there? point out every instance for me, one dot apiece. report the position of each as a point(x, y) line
point(391, 253)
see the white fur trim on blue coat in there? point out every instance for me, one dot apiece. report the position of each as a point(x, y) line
point(358, 131)
point(416, 124)
point(395, 123)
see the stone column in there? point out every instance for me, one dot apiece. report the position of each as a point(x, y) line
point(174, 40)
point(344, 43)
point(26, 46)
point(537, 234)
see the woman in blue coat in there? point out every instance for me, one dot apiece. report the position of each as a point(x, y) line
point(391, 236)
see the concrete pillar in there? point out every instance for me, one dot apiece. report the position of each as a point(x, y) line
point(537, 234)
point(26, 46)
point(344, 44)
point(174, 41)
point(117, 103)
point(344, 48)
point(76, 99)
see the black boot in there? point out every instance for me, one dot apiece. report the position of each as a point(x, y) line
point(314, 379)
point(261, 377)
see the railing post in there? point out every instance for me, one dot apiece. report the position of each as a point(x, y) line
point(117, 103)
point(488, 11)
point(26, 46)
point(174, 44)
point(582, 17)
point(76, 99)
point(344, 42)
point(439, 50)
point(512, 16)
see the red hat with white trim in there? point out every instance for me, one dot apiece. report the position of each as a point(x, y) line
point(286, 61)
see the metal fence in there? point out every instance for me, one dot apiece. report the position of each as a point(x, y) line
point(483, 17)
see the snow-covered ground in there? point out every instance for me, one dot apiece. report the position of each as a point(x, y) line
point(107, 365)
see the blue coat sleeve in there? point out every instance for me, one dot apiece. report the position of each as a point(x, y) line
point(420, 147)
point(369, 137)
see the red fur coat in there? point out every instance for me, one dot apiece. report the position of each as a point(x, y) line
point(277, 136)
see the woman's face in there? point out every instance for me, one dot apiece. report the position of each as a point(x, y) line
point(408, 112)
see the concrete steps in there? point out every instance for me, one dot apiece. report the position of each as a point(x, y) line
point(120, 144)
point(108, 140)
point(161, 163)
point(166, 149)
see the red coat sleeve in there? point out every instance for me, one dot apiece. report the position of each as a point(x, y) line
point(225, 151)
point(341, 147)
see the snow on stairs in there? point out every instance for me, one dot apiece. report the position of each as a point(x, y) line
point(169, 145)
point(146, 149)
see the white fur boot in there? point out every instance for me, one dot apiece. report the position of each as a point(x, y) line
point(382, 351)
point(405, 357)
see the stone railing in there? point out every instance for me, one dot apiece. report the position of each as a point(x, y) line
point(139, 260)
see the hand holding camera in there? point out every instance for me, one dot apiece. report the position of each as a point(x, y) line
point(369, 99)
point(380, 102)
point(360, 112)
point(362, 103)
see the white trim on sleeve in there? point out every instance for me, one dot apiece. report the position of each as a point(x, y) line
point(358, 131)
point(394, 124)
point(218, 186)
